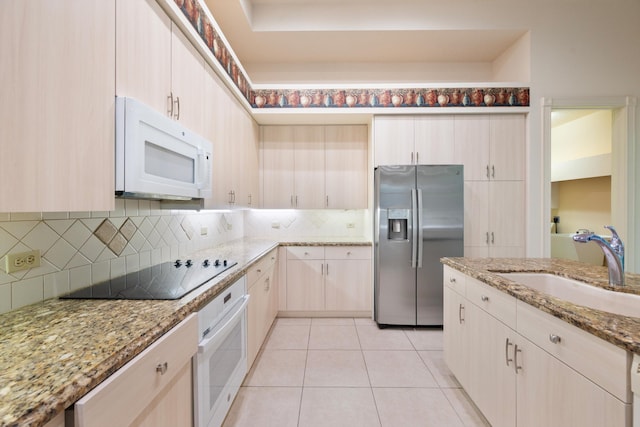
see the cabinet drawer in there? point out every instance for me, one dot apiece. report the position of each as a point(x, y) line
point(261, 267)
point(347, 252)
point(454, 279)
point(305, 252)
point(596, 359)
point(495, 302)
point(120, 398)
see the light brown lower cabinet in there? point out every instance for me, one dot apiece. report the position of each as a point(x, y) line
point(153, 389)
point(526, 368)
point(327, 280)
point(263, 303)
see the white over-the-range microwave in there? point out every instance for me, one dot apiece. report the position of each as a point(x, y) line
point(158, 158)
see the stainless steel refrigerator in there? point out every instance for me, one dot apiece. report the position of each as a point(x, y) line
point(418, 219)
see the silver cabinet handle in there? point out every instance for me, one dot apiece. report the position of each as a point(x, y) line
point(487, 238)
point(170, 104)
point(555, 338)
point(493, 171)
point(515, 357)
point(258, 271)
point(327, 202)
point(267, 284)
point(322, 269)
point(348, 253)
point(162, 368)
point(460, 309)
point(484, 298)
point(249, 199)
point(296, 201)
point(493, 240)
point(327, 269)
point(452, 280)
point(417, 157)
point(507, 344)
point(412, 157)
point(177, 103)
point(487, 171)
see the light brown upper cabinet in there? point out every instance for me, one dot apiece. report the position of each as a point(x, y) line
point(157, 64)
point(57, 129)
point(414, 140)
point(314, 167)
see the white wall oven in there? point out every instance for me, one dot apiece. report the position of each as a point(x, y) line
point(157, 157)
point(221, 362)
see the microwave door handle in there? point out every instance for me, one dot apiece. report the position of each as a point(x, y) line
point(204, 169)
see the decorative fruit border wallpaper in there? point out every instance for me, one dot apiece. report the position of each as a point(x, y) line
point(345, 98)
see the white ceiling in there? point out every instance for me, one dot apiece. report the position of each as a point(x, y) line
point(274, 37)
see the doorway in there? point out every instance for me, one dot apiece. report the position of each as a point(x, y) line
point(580, 180)
point(623, 170)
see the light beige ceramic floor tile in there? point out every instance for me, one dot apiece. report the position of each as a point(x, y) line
point(333, 321)
point(288, 337)
point(333, 337)
point(426, 339)
point(337, 407)
point(373, 338)
point(365, 321)
point(466, 410)
point(265, 407)
point(424, 407)
point(397, 368)
point(293, 321)
point(335, 368)
point(278, 368)
point(434, 360)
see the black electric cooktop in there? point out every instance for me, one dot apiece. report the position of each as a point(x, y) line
point(166, 281)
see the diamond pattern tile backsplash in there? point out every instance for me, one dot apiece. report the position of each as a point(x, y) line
point(82, 248)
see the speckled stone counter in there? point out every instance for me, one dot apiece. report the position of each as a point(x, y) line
point(619, 330)
point(324, 241)
point(53, 353)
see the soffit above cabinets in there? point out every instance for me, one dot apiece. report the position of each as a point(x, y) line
point(281, 40)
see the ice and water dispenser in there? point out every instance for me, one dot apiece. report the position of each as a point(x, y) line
point(398, 219)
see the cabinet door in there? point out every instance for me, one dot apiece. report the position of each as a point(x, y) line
point(244, 157)
point(456, 352)
point(57, 91)
point(309, 167)
point(506, 219)
point(348, 285)
point(551, 394)
point(393, 140)
point(255, 320)
point(277, 153)
point(143, 53)
point(346, 167)
point(472, 146)
point(187, 82)
point(305, 285)
point(492, 383)
point(507, 147)
point(434, 140)
point(476, 218)
point(217, 130)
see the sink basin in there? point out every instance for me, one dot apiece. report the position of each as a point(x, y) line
point(579, 293)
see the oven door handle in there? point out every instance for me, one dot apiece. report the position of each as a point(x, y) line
point(206, 344)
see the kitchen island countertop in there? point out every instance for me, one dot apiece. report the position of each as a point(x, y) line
point(622, 331)
point(54, 352)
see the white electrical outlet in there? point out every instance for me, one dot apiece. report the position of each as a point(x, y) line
point(204, 231)
point(275, 224)
point(22, 261)
point(351, 225)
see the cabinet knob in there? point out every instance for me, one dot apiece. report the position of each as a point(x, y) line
point(348, 253)
point(259, 271)
point(484, 298)
point(452, 280)
point(162, 368)
point(555, 338)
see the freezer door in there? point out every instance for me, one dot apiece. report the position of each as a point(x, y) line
point(441, 223)
point(393, 276)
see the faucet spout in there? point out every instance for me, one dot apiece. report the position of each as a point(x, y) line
point(613, 252)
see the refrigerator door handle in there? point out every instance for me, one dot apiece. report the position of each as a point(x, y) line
point(414, 227)
point(420, 230)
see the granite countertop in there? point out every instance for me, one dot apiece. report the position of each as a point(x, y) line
point(621, 331)
point(326, 241)
point(54, 352)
